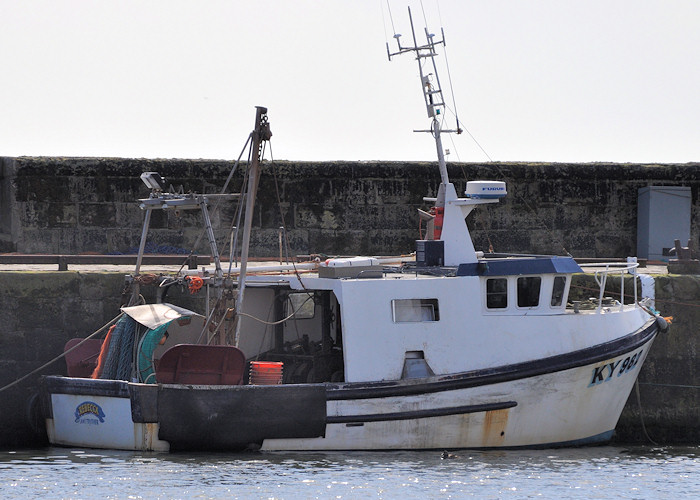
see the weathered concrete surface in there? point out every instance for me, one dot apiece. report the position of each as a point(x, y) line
point(41, 311)
point(75, 205)
point(669, 383)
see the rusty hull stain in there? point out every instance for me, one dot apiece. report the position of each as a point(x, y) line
point(495, 422)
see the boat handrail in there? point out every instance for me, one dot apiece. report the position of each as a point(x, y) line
point(601, 277)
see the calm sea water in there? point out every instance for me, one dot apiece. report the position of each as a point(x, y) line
point(602, 472)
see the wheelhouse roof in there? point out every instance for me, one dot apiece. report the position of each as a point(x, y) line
point(520, 265)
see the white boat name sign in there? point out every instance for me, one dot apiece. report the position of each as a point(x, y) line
point(84, 411)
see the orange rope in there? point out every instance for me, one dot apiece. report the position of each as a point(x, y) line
point(103, 354)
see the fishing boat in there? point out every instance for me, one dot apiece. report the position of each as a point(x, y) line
point(449, 348)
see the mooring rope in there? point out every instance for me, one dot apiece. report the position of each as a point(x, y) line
point(272, 323)
point(641, 416)
point(684, 386)
point(33, 372)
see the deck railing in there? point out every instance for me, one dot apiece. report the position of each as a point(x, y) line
point(601, 278)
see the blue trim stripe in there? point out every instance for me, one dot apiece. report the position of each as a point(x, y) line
point(496, 375)
point(598, 439)
point(415, 414)
point(601, 438)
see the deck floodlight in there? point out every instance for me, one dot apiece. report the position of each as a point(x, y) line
point(153, 180)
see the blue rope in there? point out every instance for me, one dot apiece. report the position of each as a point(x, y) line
point(145, 356)
point(120, 354)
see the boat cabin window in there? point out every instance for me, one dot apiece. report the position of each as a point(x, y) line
point(558, 291)
point(497, 293)
point(529, 291)
point(301, 304)
point(415, 310)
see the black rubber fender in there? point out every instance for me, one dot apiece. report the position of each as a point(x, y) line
point(662, 324)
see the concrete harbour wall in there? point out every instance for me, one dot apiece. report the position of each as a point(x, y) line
point(86, 205)
point(41, 311)
point(79, 205)
point(669, 383)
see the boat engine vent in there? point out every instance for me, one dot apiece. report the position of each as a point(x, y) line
point(415, 366)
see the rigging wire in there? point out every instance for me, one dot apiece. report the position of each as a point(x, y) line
point(239, 213)
point(386, 38)
point(477, 143)
point(218, 203)
point(453, 110)
point(284, 225)
point(454, 101)
point(208, 321)
point(486, 226)
point(393, 28)
point(239, 210)
point(425, 19)
point(534, 212)
point(464, 129)
point(454, 105)
point(240, 198)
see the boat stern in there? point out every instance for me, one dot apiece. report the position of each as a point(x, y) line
point(107, 414)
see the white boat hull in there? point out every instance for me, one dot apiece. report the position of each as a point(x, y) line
point(90, 427)
point(555, 409)
point(562, 401)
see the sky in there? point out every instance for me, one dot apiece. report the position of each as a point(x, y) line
point(533, 80)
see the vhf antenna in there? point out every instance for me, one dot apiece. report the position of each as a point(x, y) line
point(432, 91)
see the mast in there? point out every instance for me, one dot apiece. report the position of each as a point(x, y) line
point(432, 91)
point(261, 133)
point(449, 210)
